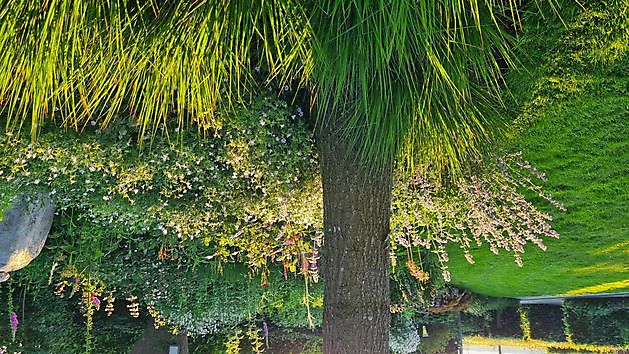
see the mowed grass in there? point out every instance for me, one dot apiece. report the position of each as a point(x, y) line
point(587, 164)
point(577, 132)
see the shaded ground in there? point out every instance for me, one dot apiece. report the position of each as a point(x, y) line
point(158, 341)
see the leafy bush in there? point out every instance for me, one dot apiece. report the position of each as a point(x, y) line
point(142, 221)
point(597, 321)
point(238, 195)
point(484, 306)
point(209, 302)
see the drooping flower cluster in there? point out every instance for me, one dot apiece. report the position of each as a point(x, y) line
point(95, 301)
point(133, 306)
point(158, 320)
point(109, 307)
point(488, 208)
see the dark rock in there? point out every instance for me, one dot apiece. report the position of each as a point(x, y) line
point(23, 232)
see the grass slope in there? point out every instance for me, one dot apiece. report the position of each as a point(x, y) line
point(575, 99)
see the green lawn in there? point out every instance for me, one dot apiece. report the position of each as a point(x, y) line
point(575, 98)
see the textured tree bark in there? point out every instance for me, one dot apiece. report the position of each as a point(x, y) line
point(355, 267)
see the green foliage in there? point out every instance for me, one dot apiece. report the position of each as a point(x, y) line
point(546, 323)
point(134, 220)
point(411, 80)
point(49, 325)
point(77, 61)
point(567, 328)
point(53, 315)
point(288, 309)
point(205, 302)
point(525, 324)
point(208, 302)
point(590, 54)
point(484, 306)
point(238, 195)
point(598, 39)
point(597, 321)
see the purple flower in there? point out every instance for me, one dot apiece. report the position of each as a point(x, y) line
point(14, 322)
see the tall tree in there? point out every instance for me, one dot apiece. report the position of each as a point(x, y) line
point(398, 83)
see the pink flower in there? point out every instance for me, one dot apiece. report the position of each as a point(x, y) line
point(14, 322)
point(95, 301)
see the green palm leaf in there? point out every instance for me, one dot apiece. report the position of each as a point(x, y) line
point(80, 61)
point(414, 78)
point(404, 80)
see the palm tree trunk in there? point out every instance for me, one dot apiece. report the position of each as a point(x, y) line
point(356, 209)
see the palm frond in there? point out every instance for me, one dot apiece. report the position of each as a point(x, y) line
point(402, 79)
point(412, 79)
point(79, 61)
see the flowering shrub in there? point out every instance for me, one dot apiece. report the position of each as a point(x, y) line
point(142, 221)
point(239, 195)
point(129, 215)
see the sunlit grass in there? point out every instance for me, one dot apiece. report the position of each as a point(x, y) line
point(575, 129)
point(600, 288)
